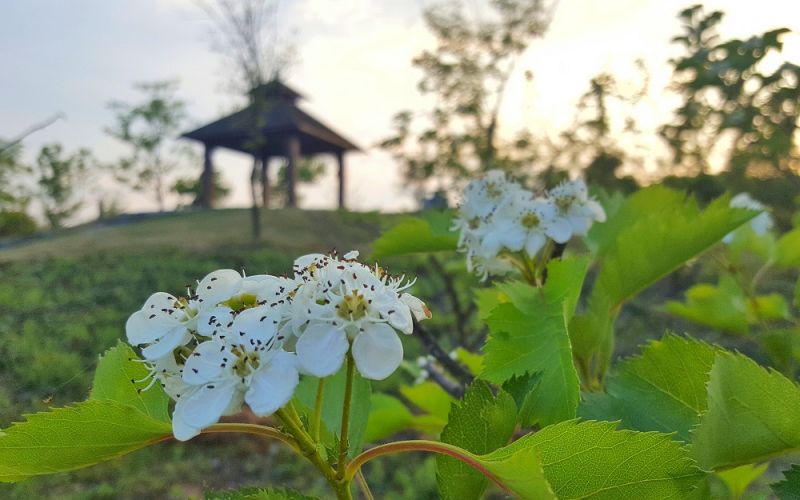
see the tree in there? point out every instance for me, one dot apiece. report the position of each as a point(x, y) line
point(729, 96)
point(466, 74)
point(591, 142)
point(147, 128)
point(58, 175)
point(192, 187)
point(12, 195)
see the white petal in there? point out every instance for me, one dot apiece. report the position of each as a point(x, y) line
point(205, 364)
point(401, 318)
point(204, 406)
point(180, 429)
point(273, 385)
point(177, 337)
point(212, 321)
point(580, 224)
point(417, 307)
point(559, 229)
point(218, 286)
point(377, 351)
point(139, 330)
point(254, 327)
point(159, 301)
point(321, 349)
point(534, 243)
point(597, 210)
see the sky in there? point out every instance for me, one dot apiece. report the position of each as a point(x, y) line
point(353, 66)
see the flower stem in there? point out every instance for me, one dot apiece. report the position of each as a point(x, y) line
point(315, 425)
point(348, 395)
point(310, 450)
point(422, 445)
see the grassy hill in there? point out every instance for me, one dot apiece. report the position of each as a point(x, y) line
point(287, 230)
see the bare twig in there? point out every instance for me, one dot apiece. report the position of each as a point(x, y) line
point(34, 128)
point(456, 369)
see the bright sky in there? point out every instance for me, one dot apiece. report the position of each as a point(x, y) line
point(354, 67)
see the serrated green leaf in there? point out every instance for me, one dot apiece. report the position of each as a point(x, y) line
point(74, 437)
point(752, 415)
point(660, 232)
point(257, 494)
point(114, 379)
point(522, 389)
point(788, 249)
point(594, 460)
point(663, 389)
point(479, 423)
point(333, 398)
point(789, 488)
point(429, 233)
point(529, 334)
point(656, 231)
point(520, 471)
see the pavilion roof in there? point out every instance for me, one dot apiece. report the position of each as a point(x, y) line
point(276, 116)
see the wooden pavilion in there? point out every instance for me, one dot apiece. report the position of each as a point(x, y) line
point(272, 125)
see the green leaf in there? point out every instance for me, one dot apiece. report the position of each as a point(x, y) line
point(333, 399)
point(529, 335)
point(752, 415)
point(74, 437)
point(114, 379)
point(789, 488)
point(520, 471)
point(659, 230)
point(257, 494)
point(662, 390)
point(479, 423)
point(522, 389)
point(430, 233)
point(593, 460)
point(655, 231)
point(739, 479)
point(723, 307)
point(388, 415)
point(430, 397)
point(788, 249)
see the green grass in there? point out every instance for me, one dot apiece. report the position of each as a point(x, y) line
point(287, 230)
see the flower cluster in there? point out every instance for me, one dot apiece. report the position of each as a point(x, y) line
point(230, 342)
point(503, 225)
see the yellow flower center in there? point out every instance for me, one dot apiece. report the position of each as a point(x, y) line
point(530, 220)
point(353, 306)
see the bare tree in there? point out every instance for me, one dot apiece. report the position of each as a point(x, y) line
point(247, 35)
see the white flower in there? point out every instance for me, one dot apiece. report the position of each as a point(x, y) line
point(525, 223)
point(571, 198)
point(165, 322)
point(344, 305)
point(243, 363)
point(761, 224)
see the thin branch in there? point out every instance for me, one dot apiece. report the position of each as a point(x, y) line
point(456, 369)
point(30, 130)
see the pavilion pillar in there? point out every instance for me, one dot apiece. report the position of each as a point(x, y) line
point(340, 164)
point(293, 157)
point(207, 185)
point(265, 181)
